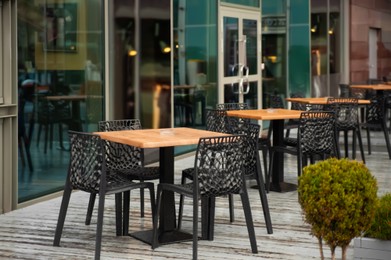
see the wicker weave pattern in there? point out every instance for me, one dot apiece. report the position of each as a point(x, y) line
point(376, 111)
point(232, 106)
point(120, 156)
point(250, 133)
point(317, 133)
point(346, 110)
point(219, 166)
point(86, 162)
point(216, 120)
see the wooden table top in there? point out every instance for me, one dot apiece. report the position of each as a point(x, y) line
point(321, 100)
point(155, 138)
point(266, 114)
point(373, 87)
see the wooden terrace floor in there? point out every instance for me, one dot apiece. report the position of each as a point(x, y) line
point(27, 233)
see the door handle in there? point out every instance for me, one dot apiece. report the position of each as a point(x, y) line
point(245, 77)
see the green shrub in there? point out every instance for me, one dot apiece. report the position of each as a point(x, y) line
point(381, 225)
point(338, 198)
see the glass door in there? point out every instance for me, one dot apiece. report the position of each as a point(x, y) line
point(239, 59)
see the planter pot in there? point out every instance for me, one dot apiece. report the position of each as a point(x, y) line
point(370, 248)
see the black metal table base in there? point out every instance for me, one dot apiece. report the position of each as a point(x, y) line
point(283, 187)
point(167, 237)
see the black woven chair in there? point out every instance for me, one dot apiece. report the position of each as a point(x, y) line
point(216, 120)
point(294, 123)
point(316, 138)
point(375, 120)
point(346, 110)
point(264, 141)
point(218, 172)
point(87, 172)
point(128, 160)
point(252, 165)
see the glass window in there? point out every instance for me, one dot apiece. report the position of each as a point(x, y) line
point(274, 56)
point(325, 47)
point(60, 84)
point(195, 61)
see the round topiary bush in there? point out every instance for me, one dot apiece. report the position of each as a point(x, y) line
point(381, 225)
point(338, 198)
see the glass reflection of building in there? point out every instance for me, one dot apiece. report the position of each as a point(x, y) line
point(158, 60)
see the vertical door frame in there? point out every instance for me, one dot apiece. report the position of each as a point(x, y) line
point(224, 9)
point(8, 107)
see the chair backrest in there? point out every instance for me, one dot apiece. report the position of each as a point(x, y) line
point(317, 133)
point(346, 111)
point(87, 162)
point(250, 133)
point(276, 101)
point(375, 112)
point(121, 156)
point(298, 105)
point(216, 121)
point(219, 166)
point(232, 106)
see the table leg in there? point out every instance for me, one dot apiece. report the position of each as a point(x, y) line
point(278, 183)
point(167, 226)
point(75, 123)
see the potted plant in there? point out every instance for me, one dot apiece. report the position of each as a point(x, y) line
point(338, 198)
point(376, 241)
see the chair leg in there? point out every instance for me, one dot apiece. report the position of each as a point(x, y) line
point(262, 194)
point(249, 221)
point(142, 202)
point(387, 140)
point(354, 144)
point(124, 213)
point(195, 227)
point(345, 135)
point(155, 239)
point(63, 212)
point(99, 227)
point(360, 144)
point(231, 208)
point(369, 141)
point(264, 155)
point(90, 208)
point(269, 173)
point(152, 199)
point(181, 204)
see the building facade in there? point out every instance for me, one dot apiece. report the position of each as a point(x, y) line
point(67, 64)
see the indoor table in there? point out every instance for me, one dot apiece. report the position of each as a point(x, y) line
point(75, 100)
point(277, 116)
point(165, 139)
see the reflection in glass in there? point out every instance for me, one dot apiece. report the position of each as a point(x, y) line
point(231, 46)
point(250, 30)
point(195, 67)
point(325, 47)
point(60, 87)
